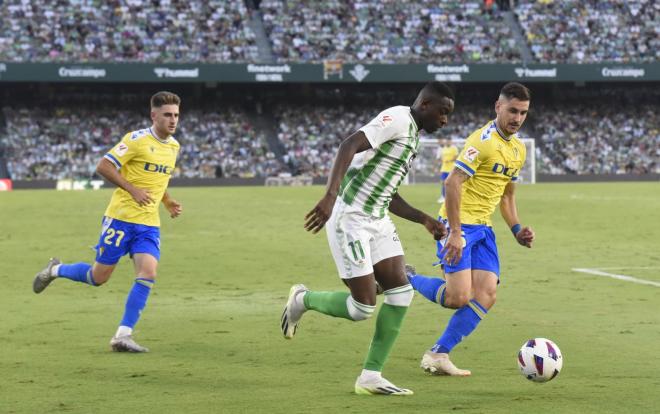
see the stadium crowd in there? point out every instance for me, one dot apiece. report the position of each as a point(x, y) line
point(387, 31)
point(598, 139)
point(68, 142)
point(578, 31)
point(311, 138)
point(126, 31)
point(570, 139)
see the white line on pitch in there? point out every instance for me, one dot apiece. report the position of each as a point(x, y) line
point(619, 277)
point(631, 267)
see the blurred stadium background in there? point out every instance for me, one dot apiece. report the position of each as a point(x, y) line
point(271, 87)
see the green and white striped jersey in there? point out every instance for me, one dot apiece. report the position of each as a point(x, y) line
point(374, 175)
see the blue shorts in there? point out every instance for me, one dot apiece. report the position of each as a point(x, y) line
point(479, 249)
point(444, 175)
point(119, 237)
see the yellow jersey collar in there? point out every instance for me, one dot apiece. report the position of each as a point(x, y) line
point(153, 134)
point(501, 134)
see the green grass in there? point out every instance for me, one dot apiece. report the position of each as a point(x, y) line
point(228, 262)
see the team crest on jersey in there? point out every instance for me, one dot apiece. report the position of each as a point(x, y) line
point(471, 154)
point(152, 149)
point(137, 134)
point(121, 149)
point(516, 154)
point(386, 118)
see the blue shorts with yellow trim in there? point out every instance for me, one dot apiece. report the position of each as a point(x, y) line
point(119, 238)
point(479, 249)
point(444, 175)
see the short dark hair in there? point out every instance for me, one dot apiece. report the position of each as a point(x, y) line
point(439, 90)
point(516, 90)
point(164, 98)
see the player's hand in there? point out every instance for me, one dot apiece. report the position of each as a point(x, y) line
point(174, 207)
point(436, 228)
point(319, 215)
point(142, 197)
point(453, 249)
point(525, 237)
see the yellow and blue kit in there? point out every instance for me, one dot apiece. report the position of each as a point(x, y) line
point(147, 163)
point(492, 161)
point(448, 155)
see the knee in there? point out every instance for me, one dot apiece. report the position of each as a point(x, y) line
point(366, 298)
point(100, 277)
point(456, 300)
point(359, 311)
point(399, 296)
point(487, 298)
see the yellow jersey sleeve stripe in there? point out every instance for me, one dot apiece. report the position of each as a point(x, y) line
point(112, 159)
point(465, 168)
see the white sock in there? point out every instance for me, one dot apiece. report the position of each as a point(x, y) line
point(54, 269)
point(369, 375)
point(123, 331)
point(300, 300)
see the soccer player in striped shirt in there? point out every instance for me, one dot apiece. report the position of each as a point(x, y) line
point(484, 175)
point(362, 187)
point(140, 166)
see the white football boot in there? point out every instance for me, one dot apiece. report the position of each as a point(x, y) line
point(44, 277)
point(378, 386)
point(125, 343)
point(439, 364)
point(293, 311)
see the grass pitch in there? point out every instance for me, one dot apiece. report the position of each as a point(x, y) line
point(227, 264)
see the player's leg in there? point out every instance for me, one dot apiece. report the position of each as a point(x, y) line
point(435, 288)
point(464, 321)
point(145, 250)
point(455, 295)
point(110, 248)
point(486, 271)
point(474, 305)
point(398, 295)
point(145, 267)
point(443, 179)
point(349, 244)
point(357, 305)
point(484, 282)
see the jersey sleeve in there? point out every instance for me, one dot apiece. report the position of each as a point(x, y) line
point(121, 153)
point(385, 127)
point(472, 155)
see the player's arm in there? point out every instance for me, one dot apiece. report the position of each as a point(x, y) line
point(453, 249)
point(109, 171)
point(173, 207)
point(509, 210)
point(319, 215)
point(401, 208)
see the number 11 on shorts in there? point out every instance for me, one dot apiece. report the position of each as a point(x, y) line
point(356, 247)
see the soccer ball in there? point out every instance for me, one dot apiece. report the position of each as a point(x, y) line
point(540, 360)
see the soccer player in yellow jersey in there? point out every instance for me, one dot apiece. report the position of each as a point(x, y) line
point(448, 154)
point(140, 166)
point(484, 175)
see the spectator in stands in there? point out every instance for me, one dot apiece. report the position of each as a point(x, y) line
point(66, 143)
point(131, 30)
point(576, 31)
point(387, 31)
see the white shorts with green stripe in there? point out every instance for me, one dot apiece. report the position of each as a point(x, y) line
point(358, 240)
